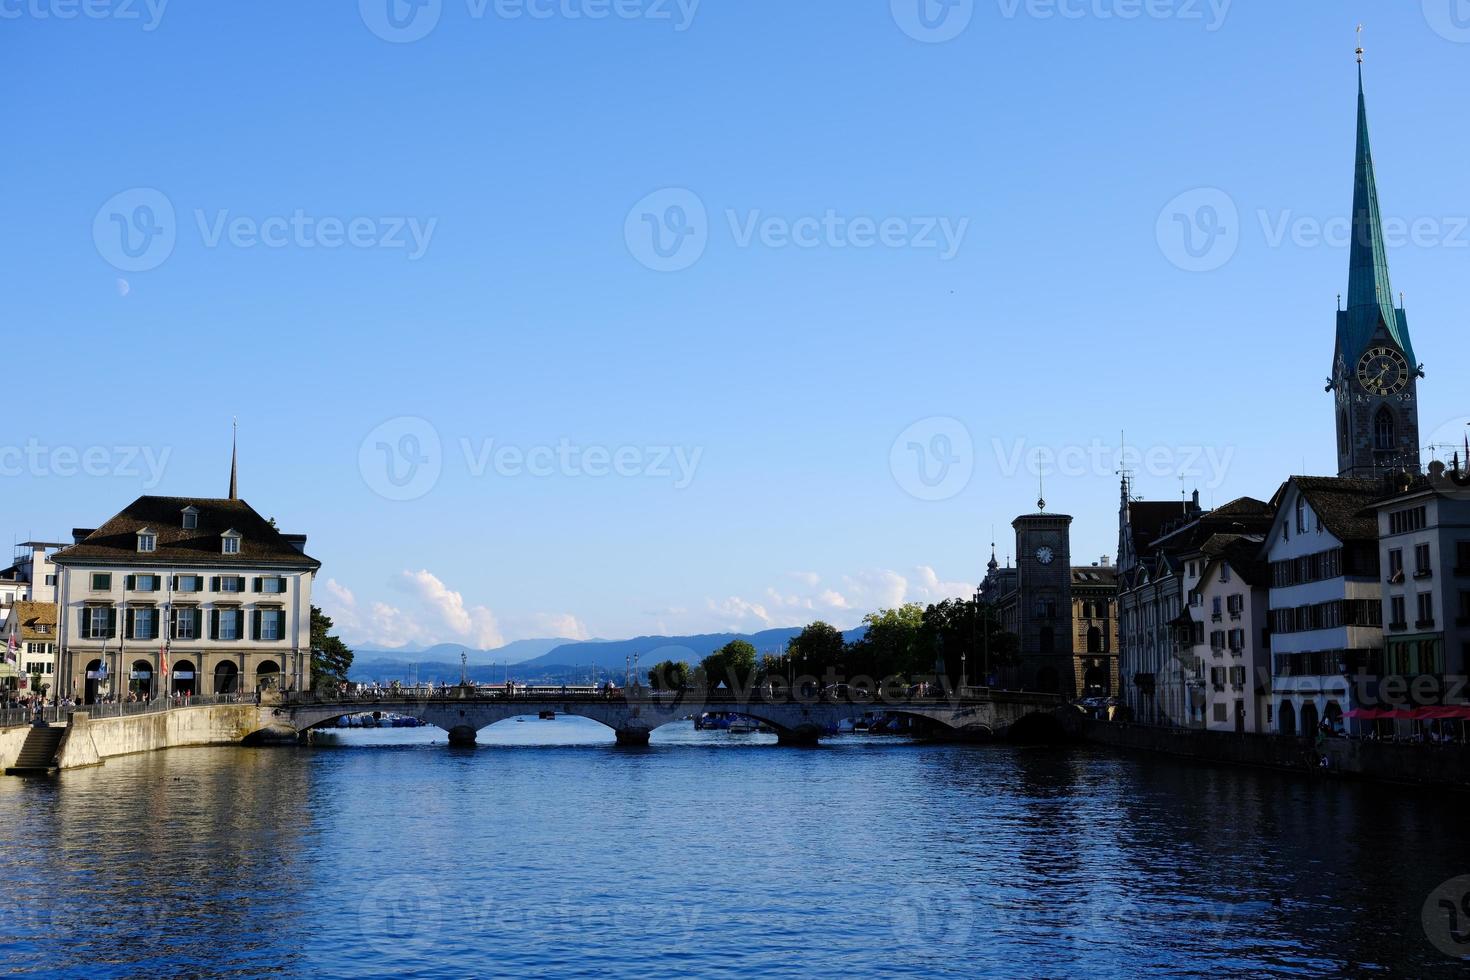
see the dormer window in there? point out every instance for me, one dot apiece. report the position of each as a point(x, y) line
point(147, 541)
point(230, 542)
point(191, 518)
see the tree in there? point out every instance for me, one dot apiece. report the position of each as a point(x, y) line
point(331, 659)
point(669, 675)
point(963, 635)
point(891, 646)
point(817, 649)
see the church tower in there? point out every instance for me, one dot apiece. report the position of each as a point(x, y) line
point(1044, 564)
point(1374, 373)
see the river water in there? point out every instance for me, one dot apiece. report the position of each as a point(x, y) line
point(547, 850)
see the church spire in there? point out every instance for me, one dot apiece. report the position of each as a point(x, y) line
point(234, 459)
point(1370, 300)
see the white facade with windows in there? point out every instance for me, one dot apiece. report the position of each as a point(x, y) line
point(1325, 605)
point(206, 588)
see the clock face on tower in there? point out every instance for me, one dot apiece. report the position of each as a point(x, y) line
point(1044, 555)
point(1383, 371)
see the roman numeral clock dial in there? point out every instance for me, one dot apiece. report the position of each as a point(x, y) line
point(1383, 371)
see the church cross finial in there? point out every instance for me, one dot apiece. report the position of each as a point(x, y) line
point(1360, 44)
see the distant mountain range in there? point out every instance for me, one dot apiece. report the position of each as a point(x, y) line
point(557, 660)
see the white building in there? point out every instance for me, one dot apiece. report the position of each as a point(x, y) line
point(1325, 601)
point(1424, 554)
point(1230, 606)
point(228, 594)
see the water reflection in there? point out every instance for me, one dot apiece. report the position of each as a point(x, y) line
point(547, 849)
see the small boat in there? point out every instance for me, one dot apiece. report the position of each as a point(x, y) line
point(547, 715)
point(743, 726)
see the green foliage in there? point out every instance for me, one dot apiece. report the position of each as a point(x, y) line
point(330, 657)
point(892, 644)
point(817, 649)
point(669, 675)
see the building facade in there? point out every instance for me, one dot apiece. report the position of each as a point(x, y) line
point(1230, 607)
point(33, 626)
point(1326, 604)
point(1065, 616)
point(1424, 556)
point(184, 595)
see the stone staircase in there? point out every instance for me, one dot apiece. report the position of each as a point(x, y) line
point(38, 754)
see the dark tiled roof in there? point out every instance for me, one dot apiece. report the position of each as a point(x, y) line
point(1243, 552)
point(117, 540)
point(1342, 503)
point(1242, 515)
point(1101, 576)
point(1147, 518)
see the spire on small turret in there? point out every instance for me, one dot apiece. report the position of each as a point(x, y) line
point(234, 459)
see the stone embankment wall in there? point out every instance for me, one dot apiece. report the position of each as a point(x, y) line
point(90, 741)
point(1398, 762)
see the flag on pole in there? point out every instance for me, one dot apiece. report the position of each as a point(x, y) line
point(11, 647)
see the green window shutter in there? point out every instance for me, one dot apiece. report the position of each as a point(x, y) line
point(255, 626)
point(255, 586)
point(214, 584)
point(128, 582)
point(128, 624)
point(111, 622)
point(173, 619)
point(85, 629)
point(173, 584)
point(214, 624)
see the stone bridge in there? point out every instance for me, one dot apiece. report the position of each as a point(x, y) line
point(977, 716)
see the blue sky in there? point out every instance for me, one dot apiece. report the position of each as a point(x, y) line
point(893, 262)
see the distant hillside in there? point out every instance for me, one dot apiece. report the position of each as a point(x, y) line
point(514, 652)
point(566, 662)
point(612, 654)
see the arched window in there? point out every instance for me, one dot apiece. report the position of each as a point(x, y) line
point(1344, 439)
point(1094, 640)
point(1383, 439)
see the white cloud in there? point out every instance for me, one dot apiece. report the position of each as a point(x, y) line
point(475, 625)
point(860, 593)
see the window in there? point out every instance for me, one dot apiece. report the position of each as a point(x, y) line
point(1404, 521)
point(143, 583)
point(1224, 572)
point(191, 519)
point(145, 623)
point(50, 579)
point(1426, 610)
point(189, 583)
point(186, 623)
point(98, 622)
point(101, 581)
point(1383, 439)
point(1215, 608)
point(274, 584)
point(230, 542)
point(1301, 515)
point(1396, 565)
point(1421, 561)
point(1396, 612)
point(1234, 604)
point(147, 541)
point(230, 583)
point(227, 624)
point(270, 624)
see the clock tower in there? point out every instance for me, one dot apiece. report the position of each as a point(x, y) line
point(1044, 572)
point(1375, 377)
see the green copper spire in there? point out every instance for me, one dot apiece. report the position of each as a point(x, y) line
point(1370, 294)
